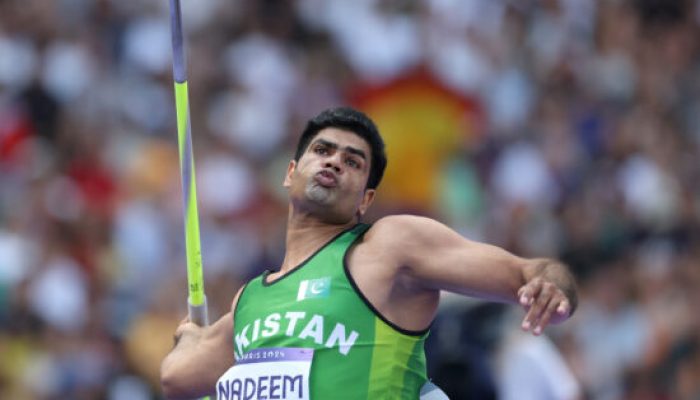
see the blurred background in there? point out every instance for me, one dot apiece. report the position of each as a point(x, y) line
point(563, 128)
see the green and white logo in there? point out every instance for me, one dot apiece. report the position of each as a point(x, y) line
point(314, 288)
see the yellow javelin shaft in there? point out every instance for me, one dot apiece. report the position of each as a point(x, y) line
point(195, 277)
point(195, 274)
point(196, 300)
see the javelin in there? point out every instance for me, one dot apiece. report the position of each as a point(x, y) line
point(196, 300)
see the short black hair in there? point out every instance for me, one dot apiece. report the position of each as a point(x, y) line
point(352, 120)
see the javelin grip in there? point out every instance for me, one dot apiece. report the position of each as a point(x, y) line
point(198, 313)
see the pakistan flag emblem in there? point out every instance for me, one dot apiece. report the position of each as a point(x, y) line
point(314, 288)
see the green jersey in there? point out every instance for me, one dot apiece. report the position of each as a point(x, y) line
point(357, 353)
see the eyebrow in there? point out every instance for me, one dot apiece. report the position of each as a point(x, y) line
point(349, 149)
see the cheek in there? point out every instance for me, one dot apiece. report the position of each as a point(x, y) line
point(301, 169)
point(358, 193)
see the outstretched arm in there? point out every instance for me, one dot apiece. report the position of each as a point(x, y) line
point(437, 258)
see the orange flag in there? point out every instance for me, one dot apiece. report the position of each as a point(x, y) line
point(423, 123)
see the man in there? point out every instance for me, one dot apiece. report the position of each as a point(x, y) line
point(347, 313)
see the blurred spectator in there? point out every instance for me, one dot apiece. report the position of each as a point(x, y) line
point(531, 367)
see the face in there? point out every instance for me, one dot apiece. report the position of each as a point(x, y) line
point(330, 177)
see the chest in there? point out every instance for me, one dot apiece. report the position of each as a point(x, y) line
point(318, 308)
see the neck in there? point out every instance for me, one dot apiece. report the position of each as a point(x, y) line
point(306, 234)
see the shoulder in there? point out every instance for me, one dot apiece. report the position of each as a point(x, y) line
point(411, 234)
point(395, 223)
point(405, 225)
point(388, 229)
point(402, 232)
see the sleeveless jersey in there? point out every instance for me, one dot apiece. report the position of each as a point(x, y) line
point(357, 353)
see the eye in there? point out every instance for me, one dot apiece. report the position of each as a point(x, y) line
point(320, 150)
point(352, 162)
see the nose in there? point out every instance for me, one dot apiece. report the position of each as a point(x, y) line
point(333, 162)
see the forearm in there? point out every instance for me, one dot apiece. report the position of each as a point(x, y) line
point(179, 377)
point(199, 357)
point(554, 272)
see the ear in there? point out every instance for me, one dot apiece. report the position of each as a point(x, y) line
point(367, 200)
point(288, 176)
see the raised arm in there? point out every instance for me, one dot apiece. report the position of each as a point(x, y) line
point(437, 258)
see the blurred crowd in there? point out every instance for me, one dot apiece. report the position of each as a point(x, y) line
point(586, 149)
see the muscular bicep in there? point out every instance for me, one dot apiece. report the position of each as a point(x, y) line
point(437, 257)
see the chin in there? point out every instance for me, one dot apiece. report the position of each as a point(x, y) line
point(320, 195)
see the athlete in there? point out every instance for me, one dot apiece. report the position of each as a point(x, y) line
point(347, 313)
